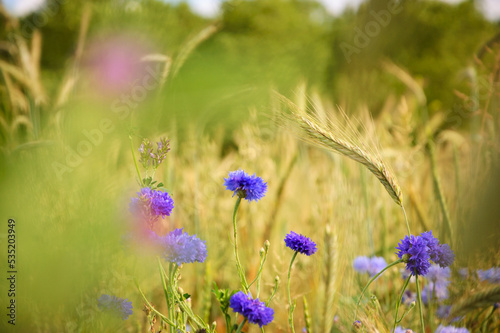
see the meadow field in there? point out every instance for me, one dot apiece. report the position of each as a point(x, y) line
point(297, 151)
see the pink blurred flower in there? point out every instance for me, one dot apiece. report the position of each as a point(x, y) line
point(115, 65)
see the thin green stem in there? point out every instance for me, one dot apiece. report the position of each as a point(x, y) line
point(167, 296)
point(484, 325)
point(194, 318)
point(168, 321)
point(135, 160)
point(243, 279)
point(291, 306)
point(406, 220)
point(172, 308)
point(228, 322)
point(398, 304)
point(419, 296)
point(241, 325)
point(276, 284)
point(259, 272)
point(371, 280)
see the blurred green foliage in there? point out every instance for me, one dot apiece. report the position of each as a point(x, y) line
point(278, 43)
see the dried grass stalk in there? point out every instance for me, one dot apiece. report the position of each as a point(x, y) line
point(189, 47)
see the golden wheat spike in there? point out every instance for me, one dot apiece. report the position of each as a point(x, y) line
point(481, 299)
point(320, 135)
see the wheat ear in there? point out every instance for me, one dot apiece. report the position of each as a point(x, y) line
point(320, 135)
point(481, 299)
point(377, 167)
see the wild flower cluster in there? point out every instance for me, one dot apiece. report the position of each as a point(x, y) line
point(372, 266)
point(118, 307)
point(255, 311)
point(151, 158)
point(418, 251)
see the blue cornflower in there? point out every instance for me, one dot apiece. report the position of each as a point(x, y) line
point(371, 266)
point(179, 247)
point(114, 305)
point(440, 254)
point(463, 273)
point(239, 302)
point(443, 255)
point(255, 311)
point(361, 264)
point(491, 275)
point(399, 329)
point(376, 265)
point(437, 290)
point(245, 186)
point(161, 203)
point(300, 243)
point(151, 204)
point(451, 329)
point(439, 279)
point(416, 251)
point(438, 274)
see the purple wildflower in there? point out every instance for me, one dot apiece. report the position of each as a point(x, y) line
point(361, 264)
point(463, 272)
point(245, 186)
point(300, 243)
point(399, 329)
point(161, 203)
point(255, 311)
point(443, 255)
point(416, 251)
point(150, 204)
point(116, 306)
point(438, 284)
point(415, 247)
point(179, 247)
point(377, 264)
point(149, 157)
point(438, 274)
point(451, 329)
point(239, 302)
point(371, 266)
point(437, 290)
point(491, 275)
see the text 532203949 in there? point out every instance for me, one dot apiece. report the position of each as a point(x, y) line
point(11, 271)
